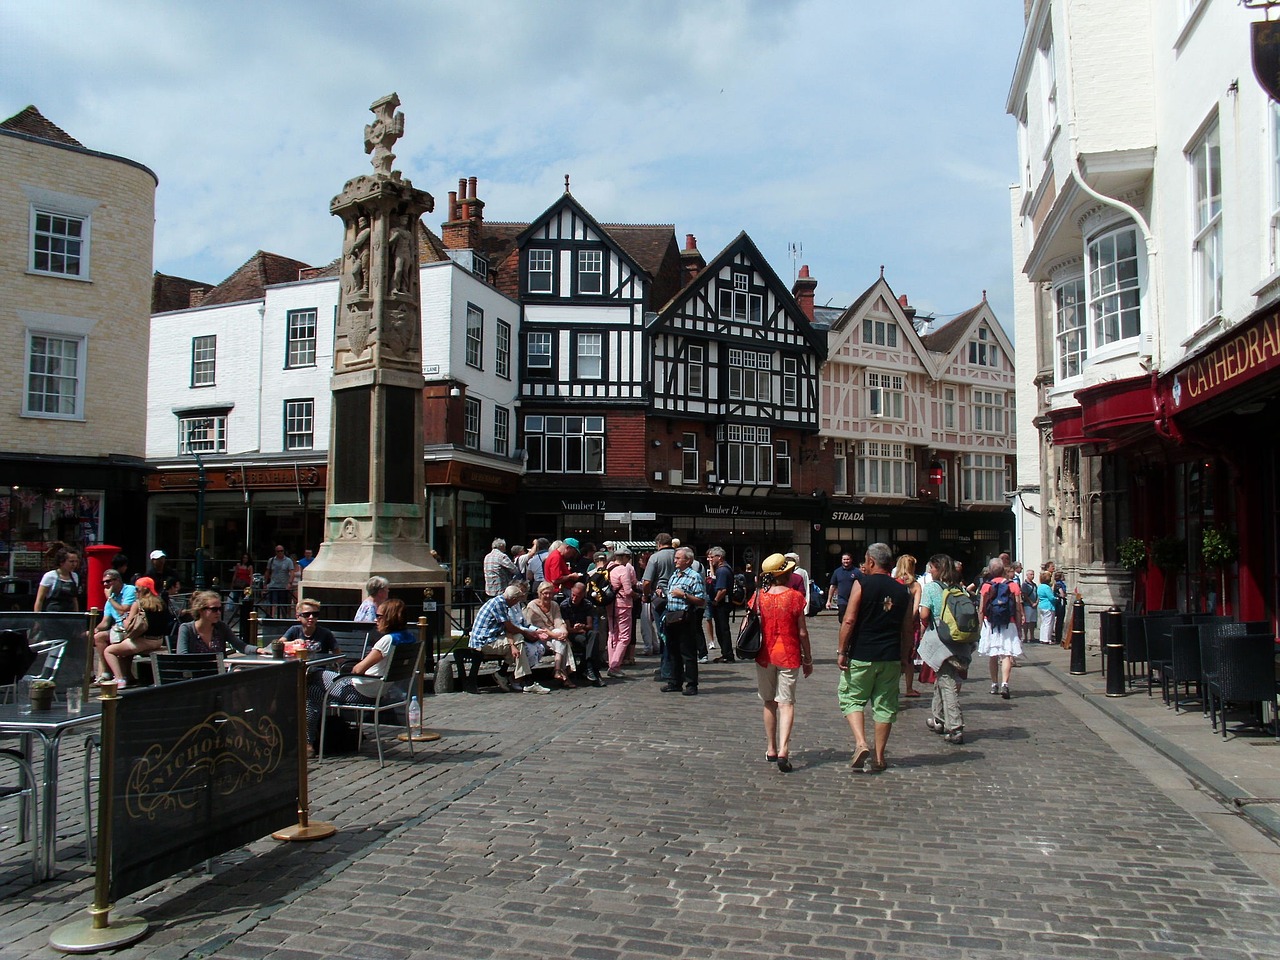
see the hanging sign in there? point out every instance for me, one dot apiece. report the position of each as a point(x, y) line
point(1266, 56)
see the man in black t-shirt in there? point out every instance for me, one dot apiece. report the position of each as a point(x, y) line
point(875, 650)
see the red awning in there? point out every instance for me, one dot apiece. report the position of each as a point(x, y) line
point(1068, 427)
point(1118, 409)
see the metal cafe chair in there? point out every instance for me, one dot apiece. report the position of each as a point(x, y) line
point(1244, 672)
point(397, 686)
point(176, 667)
point(25, 793)
point(1183, 666)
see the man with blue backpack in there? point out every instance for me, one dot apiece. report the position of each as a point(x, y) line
point(1000, 610)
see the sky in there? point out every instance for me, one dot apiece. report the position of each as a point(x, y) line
point(862, 132)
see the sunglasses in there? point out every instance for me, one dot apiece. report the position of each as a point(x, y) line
point(214, 609)
point(308, 614)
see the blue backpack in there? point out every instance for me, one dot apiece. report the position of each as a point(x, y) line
point(999, 612)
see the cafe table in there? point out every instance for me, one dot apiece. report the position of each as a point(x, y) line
point(49, 726)
point(248, 660)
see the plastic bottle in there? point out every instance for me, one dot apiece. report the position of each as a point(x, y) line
point(415, 713)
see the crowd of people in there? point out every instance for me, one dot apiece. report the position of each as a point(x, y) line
point(900, 628)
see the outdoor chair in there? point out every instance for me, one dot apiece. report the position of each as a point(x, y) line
point(1209, 647)
point(1183, 667)
point(25, 793)
point(1244, 673)
point(1158, 630)
point(1135, 648)
point(176, 667)
point(16, 658)
point(397, 687)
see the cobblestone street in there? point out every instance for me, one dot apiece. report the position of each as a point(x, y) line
point(626, 823)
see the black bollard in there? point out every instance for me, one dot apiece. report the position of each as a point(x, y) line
point(1078, 668)
point(1113, 652)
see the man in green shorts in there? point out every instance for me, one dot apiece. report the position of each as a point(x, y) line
point(875, 648)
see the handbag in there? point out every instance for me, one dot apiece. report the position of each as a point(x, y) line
point(135, 625)
point(674, 618)
point(751, 633)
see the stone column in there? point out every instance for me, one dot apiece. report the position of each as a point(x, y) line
point(375, 513)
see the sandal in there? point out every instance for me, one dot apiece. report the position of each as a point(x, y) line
point(784, 764)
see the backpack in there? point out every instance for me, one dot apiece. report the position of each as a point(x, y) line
point(817, 601)
point(999, 610)
point(601, 590)
point(959, 615)
point(738, 592)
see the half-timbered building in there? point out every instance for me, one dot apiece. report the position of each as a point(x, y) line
point(734, 363)
point(918, 428)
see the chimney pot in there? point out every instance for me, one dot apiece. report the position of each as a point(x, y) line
point(902, 301)
point(804, 270)
point(453, 205)
point(690, 242)
point(471, 188)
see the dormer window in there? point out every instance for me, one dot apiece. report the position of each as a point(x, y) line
point(480, 266)
point(540, 276)
point(982, 352)
point(590, 271)
point(880, 333)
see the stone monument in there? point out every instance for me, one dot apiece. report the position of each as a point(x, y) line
point(375, 514)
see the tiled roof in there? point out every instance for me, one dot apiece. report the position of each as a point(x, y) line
point(431, 248)
point(653, 247)
point(175, 293)
point(944, 339)
point(251, 280)
point(31, 122)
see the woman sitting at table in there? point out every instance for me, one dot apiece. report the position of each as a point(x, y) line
point(148, 638)
point(364, 683)
point(205, 632)
point(544, 614)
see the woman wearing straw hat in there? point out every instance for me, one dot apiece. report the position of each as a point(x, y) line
point(784, 654)
point(622, 577)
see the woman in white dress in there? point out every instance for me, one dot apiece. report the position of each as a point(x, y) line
point(1000, 626)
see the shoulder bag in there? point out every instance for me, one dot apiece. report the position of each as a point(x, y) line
point(751, 633)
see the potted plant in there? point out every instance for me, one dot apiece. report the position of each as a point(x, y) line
point(1218, 550)
point(42, 694)
point(1169, 554)
point(1133, 553)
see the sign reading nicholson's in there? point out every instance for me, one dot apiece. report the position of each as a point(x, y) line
point(202, 767)
point(1249, 352)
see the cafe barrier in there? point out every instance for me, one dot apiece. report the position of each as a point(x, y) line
point(189, 771)
point(421, 735)
point(1078, 668)
point(1113, 652)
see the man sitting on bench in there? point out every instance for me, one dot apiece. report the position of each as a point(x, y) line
point(500, 630)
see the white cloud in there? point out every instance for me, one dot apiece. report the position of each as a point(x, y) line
point(871, 135)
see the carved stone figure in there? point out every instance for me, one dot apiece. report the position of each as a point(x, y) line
point(356, 264)
point(400, 242)
point(381, 135)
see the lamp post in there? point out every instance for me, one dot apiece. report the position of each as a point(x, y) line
point(202, 482)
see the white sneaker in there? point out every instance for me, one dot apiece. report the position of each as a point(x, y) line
point(535, 687)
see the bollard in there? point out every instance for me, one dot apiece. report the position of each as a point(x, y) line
point(1078, 668)
point(1113, 652)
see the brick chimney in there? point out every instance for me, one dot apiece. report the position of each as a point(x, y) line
point(466, 217)
point(909, 310)
point(803, 289)
point(691, 261)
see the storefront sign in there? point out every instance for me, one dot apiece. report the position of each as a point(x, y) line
point(235, 478)
point(1247, 354)
point(848, 516)
point(584, 506)
point(733, 510)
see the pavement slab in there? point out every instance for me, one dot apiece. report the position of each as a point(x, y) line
point(622, 823)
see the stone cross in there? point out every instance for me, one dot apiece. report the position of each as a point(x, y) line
point(381, 135)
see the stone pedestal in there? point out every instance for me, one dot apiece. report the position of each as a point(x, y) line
point(375, 517)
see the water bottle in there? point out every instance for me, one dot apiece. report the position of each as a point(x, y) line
point(415, 713)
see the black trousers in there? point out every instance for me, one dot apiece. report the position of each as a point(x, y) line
point(682, 649)
point(720, 616)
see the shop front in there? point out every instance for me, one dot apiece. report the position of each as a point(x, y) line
point(748, 527)
point(45, 501)
point(468, 504)
point(247, 508)
point(969, 536)
point(1219, 408)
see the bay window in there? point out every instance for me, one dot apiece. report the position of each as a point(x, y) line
point(1114, 309)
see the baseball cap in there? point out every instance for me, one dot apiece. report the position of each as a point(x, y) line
point(572, 542)
point(156, 554)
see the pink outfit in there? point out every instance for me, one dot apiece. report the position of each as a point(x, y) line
point(622, 577)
